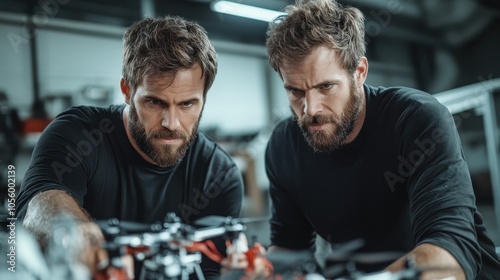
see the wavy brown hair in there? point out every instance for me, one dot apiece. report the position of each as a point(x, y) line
point(165, 45)
point(312, 23)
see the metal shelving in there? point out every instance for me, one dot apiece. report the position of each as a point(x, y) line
point(479, 97)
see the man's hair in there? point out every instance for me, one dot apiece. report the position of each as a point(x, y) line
point(312, 23)
point(164, 46)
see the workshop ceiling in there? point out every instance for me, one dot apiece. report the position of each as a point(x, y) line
point(421, 21)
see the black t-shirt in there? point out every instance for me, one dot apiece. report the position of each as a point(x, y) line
point(402, 182)
point(85, 151)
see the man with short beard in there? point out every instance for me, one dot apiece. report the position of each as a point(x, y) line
point(357, 162)
point(141, 160)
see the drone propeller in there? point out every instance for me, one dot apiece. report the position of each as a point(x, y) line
point(115, 226)
point(292, 261)
point(289, 257)
point(366, 258)
point(221, 220)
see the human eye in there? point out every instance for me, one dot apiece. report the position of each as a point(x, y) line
point(187, 104)
point(326, 86)
point(154, 103)
point(295, 91)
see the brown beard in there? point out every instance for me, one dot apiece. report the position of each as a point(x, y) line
point(164, 156)
point(322, 141)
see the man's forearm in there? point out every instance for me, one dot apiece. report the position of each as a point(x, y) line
point(435, 262)
point(45, 208)
point(42, 216)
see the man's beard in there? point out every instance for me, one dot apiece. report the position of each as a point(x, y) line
point(322, 141)
point(162, 155)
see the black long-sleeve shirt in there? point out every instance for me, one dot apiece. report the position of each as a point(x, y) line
point(85, 152)
point(402, 182)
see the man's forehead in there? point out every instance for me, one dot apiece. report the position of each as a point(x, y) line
point(163, 80)
point(158, 81)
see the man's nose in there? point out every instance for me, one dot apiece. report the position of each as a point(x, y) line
point(312, 104)
point(170, 119)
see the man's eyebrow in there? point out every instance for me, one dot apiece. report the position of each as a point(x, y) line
point(150, 97)
point(334, 81)
point(153, 97)
point(194, 99)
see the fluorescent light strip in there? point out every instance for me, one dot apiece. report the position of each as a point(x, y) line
point(246, 11)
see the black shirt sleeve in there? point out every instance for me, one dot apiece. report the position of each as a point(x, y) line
point(442, 202)
point(59, 160)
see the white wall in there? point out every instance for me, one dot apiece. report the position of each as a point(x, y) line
point(68, 62)
point(236, 103)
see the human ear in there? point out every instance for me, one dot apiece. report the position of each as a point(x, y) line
point(361, 71)
point(125, 90)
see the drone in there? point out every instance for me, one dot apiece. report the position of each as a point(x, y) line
point(173, 250)
point(168, 250)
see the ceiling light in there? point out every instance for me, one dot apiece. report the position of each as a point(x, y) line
point(247, 11)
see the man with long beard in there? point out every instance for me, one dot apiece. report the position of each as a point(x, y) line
point(141, 160)
point(357, 162)
point(327, 141)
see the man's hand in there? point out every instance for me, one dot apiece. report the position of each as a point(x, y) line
point(96, 259)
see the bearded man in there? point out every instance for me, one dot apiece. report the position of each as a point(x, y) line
point(141, 160)
point(359, 162)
